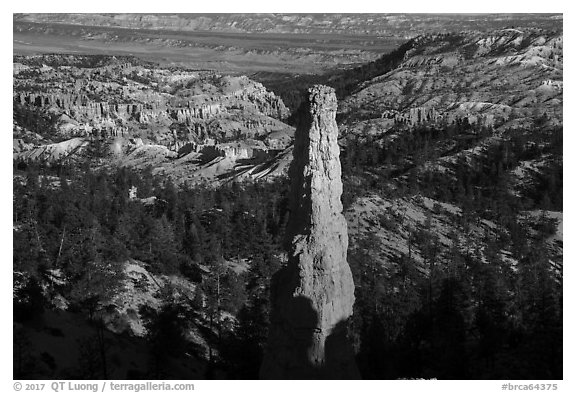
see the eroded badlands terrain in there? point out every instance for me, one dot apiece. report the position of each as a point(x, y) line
point(197, 126)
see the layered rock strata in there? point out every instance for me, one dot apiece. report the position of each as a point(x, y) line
point(312, 297)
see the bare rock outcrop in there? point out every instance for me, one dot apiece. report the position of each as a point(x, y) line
point(487, 79)
point(313, 296)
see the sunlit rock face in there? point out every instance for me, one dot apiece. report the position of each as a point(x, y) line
point(312, 297)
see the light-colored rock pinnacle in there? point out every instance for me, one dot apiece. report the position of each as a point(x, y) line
point(312, 297)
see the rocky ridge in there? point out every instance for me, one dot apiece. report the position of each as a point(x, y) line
point(400, 25)
point(504, 78)
point(118, 98)
point(312, 297)
point(135, 107)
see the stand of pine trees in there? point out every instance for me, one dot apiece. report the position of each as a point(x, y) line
point(473, 317)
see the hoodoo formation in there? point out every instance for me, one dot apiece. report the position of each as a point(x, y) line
point(312, 297)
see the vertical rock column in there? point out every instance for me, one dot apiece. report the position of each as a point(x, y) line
point(312, 297)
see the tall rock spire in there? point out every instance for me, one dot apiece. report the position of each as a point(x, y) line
point(312, 297)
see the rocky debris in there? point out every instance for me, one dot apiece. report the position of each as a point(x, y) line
point(241, 150)
point(17, 68)
point(312, 297)
point(52, 152)
point(19, 145)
